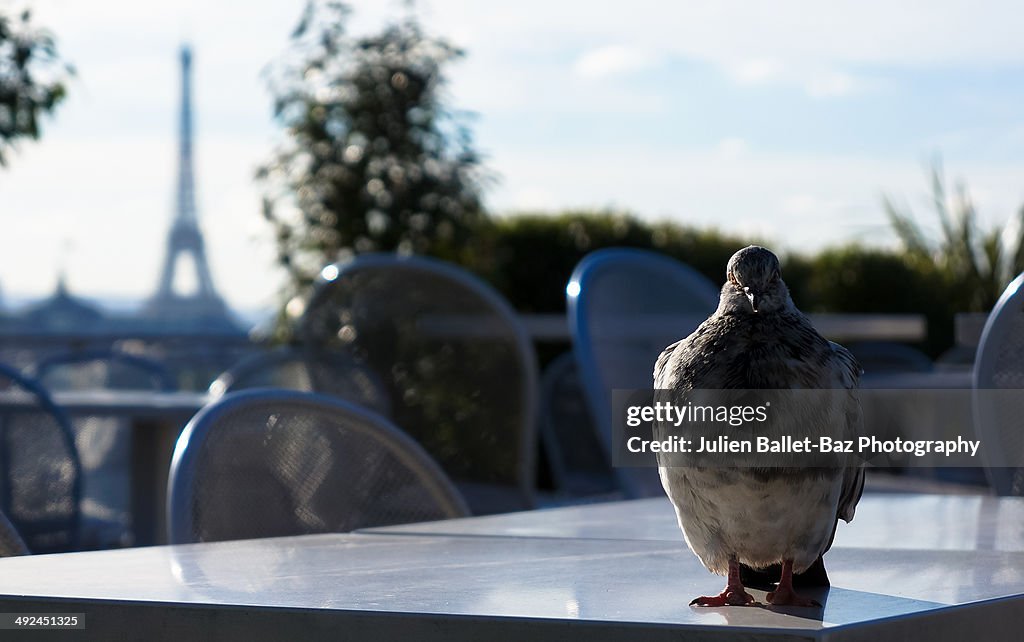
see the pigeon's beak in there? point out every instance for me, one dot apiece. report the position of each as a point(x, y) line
point(753, 296)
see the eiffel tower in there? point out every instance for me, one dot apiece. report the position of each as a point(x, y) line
point(203, 308)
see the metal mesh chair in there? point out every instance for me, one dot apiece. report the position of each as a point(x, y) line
point(579, 466)
point(103, 370)
point(331, 373)
point(40, 474)
point(999, 365)
point(11, 543)
point(265, 463)
point(625, 306)
point(104, 443)
point(455, 361)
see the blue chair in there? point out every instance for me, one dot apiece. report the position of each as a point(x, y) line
point(625, 306)
point(575, 456)
point(455, 362)
point(40, 473)
point(999, 366)
point(268, 463)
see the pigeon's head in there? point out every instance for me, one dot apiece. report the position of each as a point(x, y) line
point(755, 282)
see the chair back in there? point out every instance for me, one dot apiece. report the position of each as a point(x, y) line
point(103, 370)
point(11, 543)
point(104, 443)
point(575, 455)
point(268, 462)
point(453, 358)
point(330, 373)
point(40, 473)
point(625, 306)
point(999, 365)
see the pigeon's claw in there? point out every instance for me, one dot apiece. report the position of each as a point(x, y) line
point(784, 595)
point(734, 593)
point(728, 597)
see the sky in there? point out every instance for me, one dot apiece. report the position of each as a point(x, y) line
point(787, 120)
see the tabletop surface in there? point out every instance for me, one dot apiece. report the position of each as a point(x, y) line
point(628, 580)
point(610, 565)
point(883, 521)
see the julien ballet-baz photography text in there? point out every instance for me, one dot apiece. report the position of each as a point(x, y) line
point(803, 428)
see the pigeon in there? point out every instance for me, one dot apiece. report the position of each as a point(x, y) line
point(783, 517)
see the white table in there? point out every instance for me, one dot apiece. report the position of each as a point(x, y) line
point(602, 572)
point(883, 521)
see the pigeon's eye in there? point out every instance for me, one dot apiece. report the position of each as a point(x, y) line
point(775, 276)
point(732, 279)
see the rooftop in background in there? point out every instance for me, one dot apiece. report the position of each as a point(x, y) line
point(66, 314)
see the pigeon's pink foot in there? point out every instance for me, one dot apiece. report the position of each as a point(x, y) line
point(734, 593)
point(784, 595)
point(726, 598)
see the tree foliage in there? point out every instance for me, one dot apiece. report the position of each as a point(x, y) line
point(31, 80)
point(373, 159)
point(975, 264)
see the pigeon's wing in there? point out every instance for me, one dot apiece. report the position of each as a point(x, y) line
point(678, 365)
point(849, 371)
point(661, 365)
point(853, 477)
point(664, 382)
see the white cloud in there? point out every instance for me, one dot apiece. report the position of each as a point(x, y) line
point(831, 84)
point(819, 47)
point(613, 60)
point(794, 201)
point(815, 80)
point(731, 148)
point(913, 32)
point(755, 70)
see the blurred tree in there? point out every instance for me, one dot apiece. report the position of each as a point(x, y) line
point(373, 160)
point(975, 265)
point(31, 80)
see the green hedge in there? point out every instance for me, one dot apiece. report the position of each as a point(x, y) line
point(860, 280)
point(529, 257)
